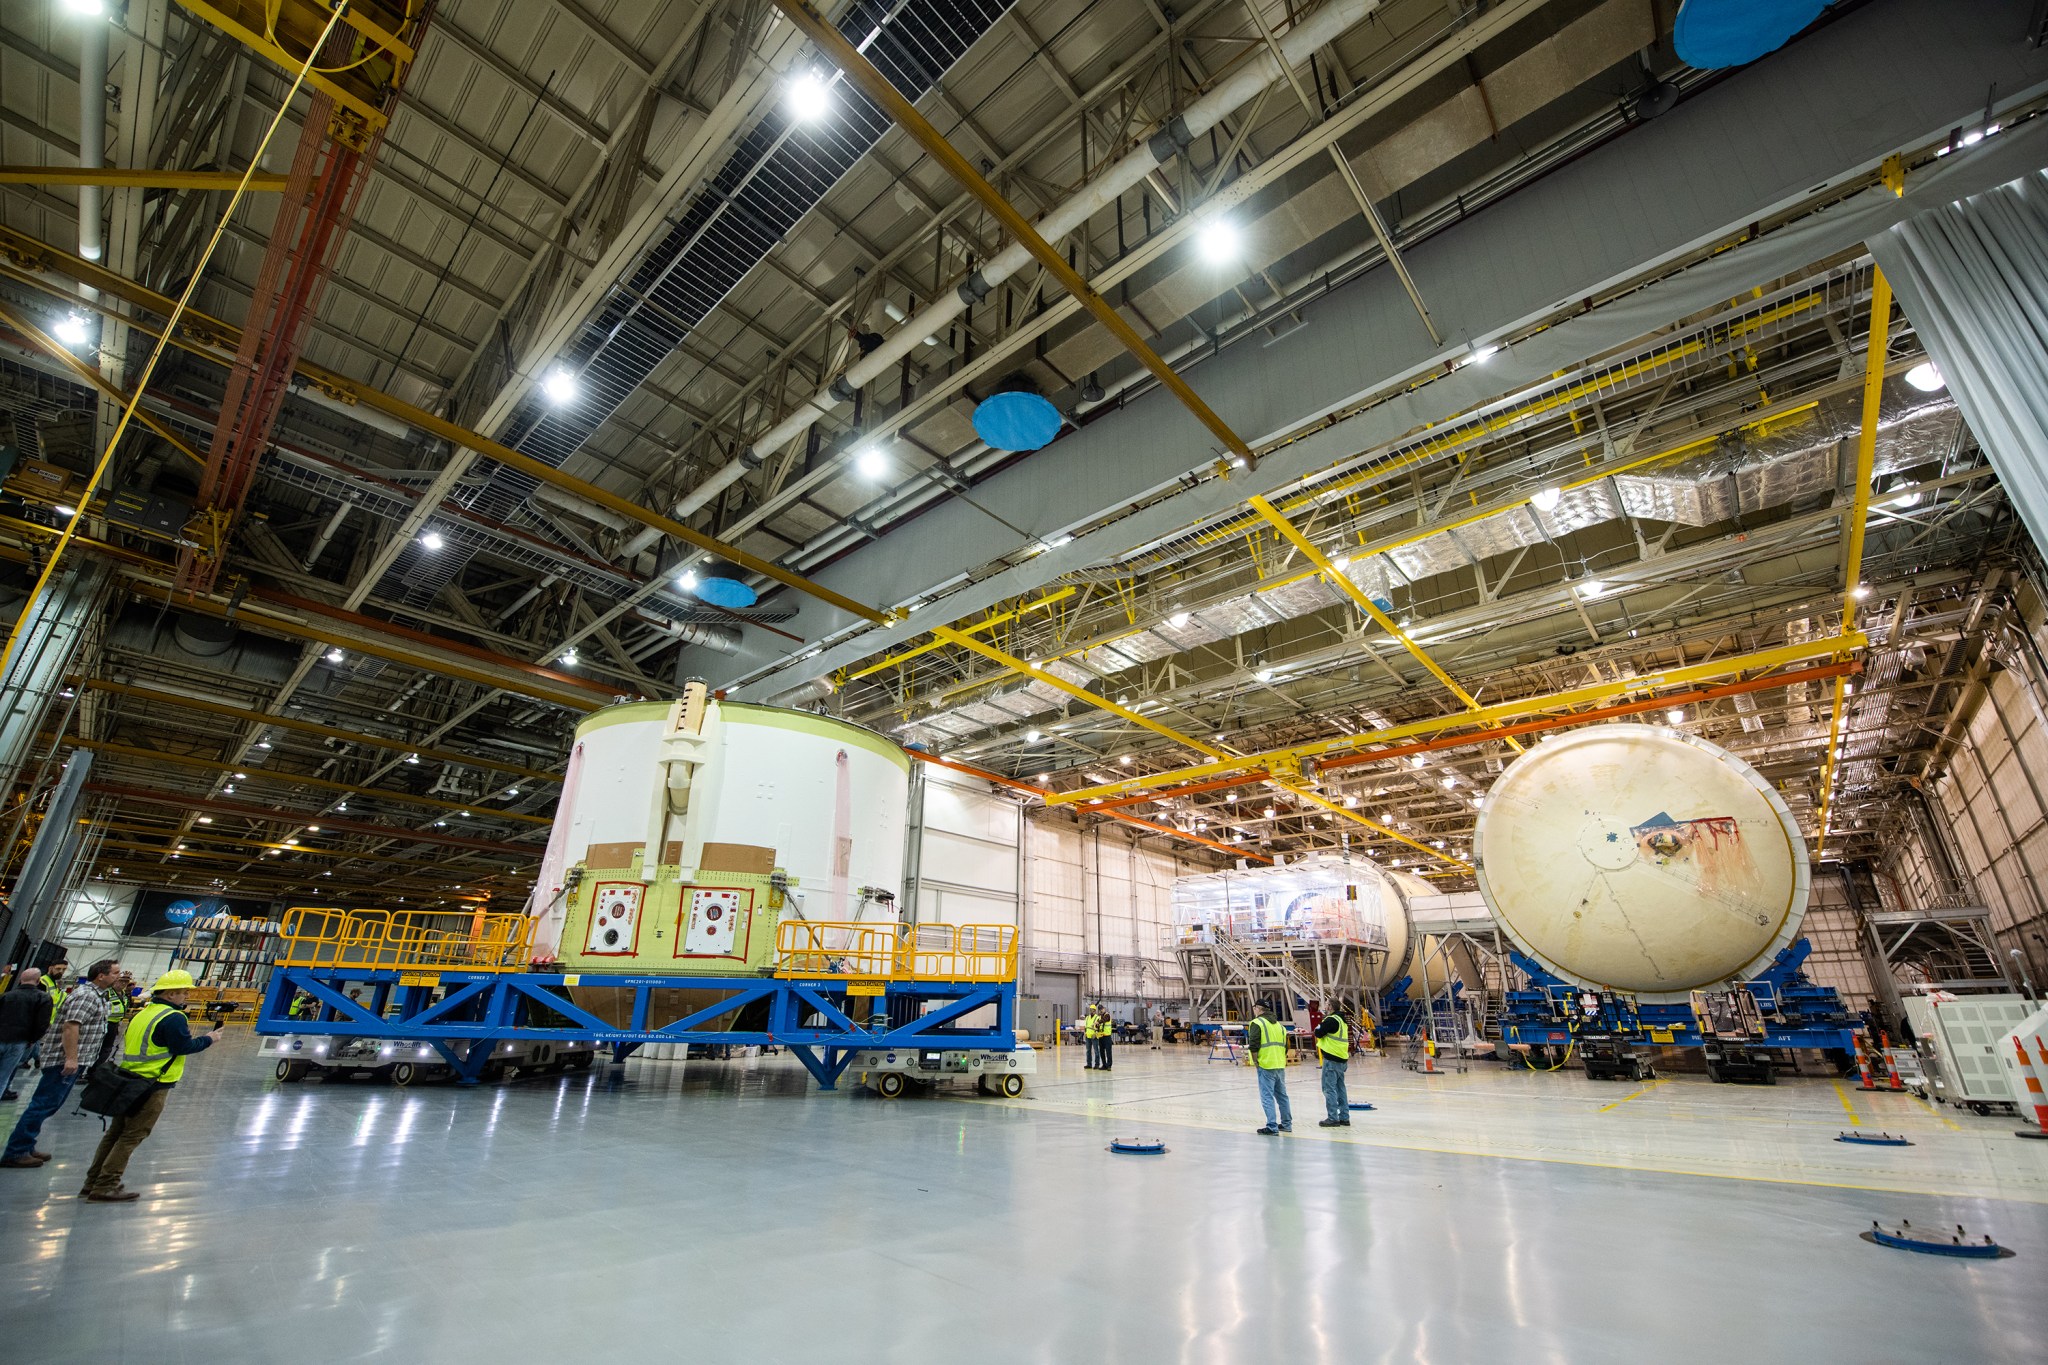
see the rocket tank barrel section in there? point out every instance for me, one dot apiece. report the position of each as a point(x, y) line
point(1640, 859)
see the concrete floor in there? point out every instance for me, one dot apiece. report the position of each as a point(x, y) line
point(727, 1211)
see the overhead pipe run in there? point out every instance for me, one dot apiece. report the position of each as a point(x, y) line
point(1259, 70)
point(92, 132)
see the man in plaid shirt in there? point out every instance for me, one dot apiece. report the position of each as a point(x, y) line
point(70, 1049)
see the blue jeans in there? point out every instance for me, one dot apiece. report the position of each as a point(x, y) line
point(1272, 1087)
point(10, 1060)
point(1335, 1098)
point(48, 1099)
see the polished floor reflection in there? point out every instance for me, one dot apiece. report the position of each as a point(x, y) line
point(727, 1211)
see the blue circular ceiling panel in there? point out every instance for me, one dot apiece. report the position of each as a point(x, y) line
point(1016, 421)
point(729, 593)
point(1711, 34)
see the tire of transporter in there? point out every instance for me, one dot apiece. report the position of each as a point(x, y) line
point(890, 1085)
point(290, 1070)
point(1011, 1086)
point(404, 1073)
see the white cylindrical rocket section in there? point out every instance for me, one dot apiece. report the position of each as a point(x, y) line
point(829, 798)
point(1641, 859)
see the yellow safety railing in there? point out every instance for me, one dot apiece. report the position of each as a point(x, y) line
point(896, 952)
point(404, 940)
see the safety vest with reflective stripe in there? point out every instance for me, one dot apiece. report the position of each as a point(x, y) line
point(56, 1002)
point(1097, 1027)
point(1269, 1046)
point(1338, 1044)
point(140, 1056)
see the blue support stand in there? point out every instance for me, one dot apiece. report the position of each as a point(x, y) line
point(476, 1011)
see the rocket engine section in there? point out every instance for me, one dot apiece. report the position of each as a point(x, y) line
point(687, 830)
point(1640, 859)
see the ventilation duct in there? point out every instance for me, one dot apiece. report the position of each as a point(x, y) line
point(203, 641)
point(1254, 74)
point(775, 176)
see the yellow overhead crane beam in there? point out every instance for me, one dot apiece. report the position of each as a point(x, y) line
point(1572, 698)
point(1336, 578)
point(1858, 515)
point(291, 32)
point(862, 74)
point(126, 177)
point(985, 623)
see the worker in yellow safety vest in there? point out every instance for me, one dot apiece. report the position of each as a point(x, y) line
point(53, 982)
point(154, 1045)
point(1268, 1043)
point(1333, 1046)
point(1096, 1030)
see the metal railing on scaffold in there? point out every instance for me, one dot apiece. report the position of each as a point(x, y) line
point(896, 952)
point(403, 940)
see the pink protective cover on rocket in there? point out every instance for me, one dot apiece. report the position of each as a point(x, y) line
point(545, 902)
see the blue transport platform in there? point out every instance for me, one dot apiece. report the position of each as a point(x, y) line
point(463, 1014)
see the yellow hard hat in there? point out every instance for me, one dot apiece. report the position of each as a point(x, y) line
point(176, 979)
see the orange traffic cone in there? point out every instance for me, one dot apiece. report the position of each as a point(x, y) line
point(1863, 1081)
point(2030, 1076)
point(1429, 1057)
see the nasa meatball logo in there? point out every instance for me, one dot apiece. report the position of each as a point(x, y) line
point(183, 912)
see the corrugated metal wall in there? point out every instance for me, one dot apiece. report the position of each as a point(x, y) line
point(1101, 904)
point(1992, 804)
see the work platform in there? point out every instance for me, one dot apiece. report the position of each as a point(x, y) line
point(463, 990)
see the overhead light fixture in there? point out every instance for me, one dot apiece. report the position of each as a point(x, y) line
point(1973, 137)
point(569, 657)
point(1926, 377)
point(1032, 736)
point(263, 744)
point(1481, 354)
point(871, 462)
point(312, 829)
point(1907, 499)
point(1125, 760)
point(72, 330)
point(206, 819)
point(241, 777)
point(1450, 782)
point(1676, 715)
point(1417, 760)
point(412, 758)
point(342, 806)
point(1351, 800)
point(432, 540)
point(335, 656)
point(1264, 675)
point(1179, 619)
point(1592, 588)
point(1544, 499)
point(1341, 563)
point(809, 98)
point(229, 789)
point(1271, 812)
point(1861, 592)
point(560, 387)
point(512, 791)
point(65, 509)
point(687, 579)
point(1219, 241)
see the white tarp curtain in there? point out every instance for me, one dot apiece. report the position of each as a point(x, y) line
point(1973, 277)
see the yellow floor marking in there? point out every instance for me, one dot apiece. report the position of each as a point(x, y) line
point(1844, 1096)
point(1626, 1098)
point(1938, 1114)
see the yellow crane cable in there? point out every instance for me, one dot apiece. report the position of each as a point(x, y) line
point(106, 460)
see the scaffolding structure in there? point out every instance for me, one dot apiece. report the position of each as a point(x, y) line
point(1295, 935)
